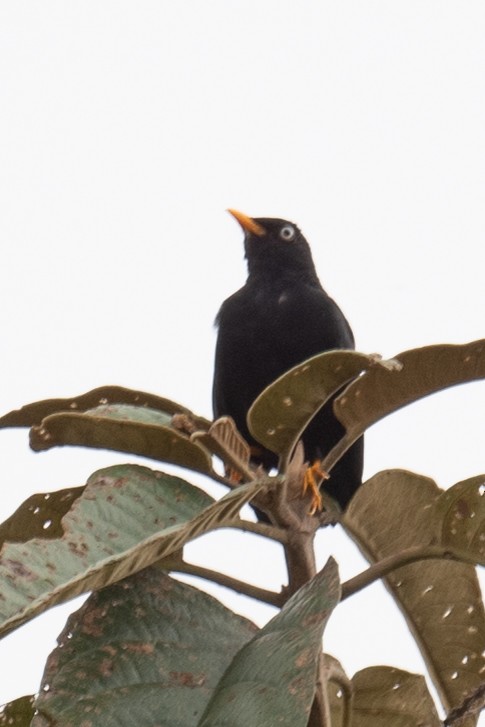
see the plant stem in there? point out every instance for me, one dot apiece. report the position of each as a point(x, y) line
point(397, 560)
point(246, 589)
point(266, 531)
point(320, 714)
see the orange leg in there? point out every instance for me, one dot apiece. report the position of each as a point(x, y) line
point(313, 478)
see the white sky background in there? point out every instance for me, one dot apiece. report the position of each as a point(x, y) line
point(126, 130)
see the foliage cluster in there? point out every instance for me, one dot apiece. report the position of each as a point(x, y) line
point(148, 650)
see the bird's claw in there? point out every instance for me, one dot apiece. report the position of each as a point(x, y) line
point(311, 481)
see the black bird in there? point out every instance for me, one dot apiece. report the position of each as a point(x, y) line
point(279, 318)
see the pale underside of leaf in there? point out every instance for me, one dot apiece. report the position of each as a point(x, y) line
point(126, 518)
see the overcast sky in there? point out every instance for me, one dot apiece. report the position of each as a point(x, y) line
point(127, 129)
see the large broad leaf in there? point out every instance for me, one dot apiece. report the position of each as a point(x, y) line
point(146, 651)
point(387, 697)
point(126, 518)
point(282, 411)
point(123, 428)
point(381, 391)
point(280, 414)
point(271, 681)
point(383, 696)
point(34, 413)
point(440, 599)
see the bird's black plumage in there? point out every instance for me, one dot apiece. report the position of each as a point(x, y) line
point(279, 318)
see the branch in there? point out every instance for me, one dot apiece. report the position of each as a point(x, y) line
point(263, 529)
point(338, 451)
point(397, 560)
point(246, 589)
point(320, 712)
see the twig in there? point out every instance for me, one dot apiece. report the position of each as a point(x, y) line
point(263, 529)
point(246, 589)
point(320, 712)
point(397, 560)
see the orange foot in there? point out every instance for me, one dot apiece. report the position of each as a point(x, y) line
point(313, 475)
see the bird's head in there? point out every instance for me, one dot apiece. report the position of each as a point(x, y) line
point(275, 247)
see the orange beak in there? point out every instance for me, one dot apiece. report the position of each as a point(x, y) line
point(248, 224)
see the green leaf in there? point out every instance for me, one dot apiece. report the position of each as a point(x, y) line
point(126, 518)
point(130, 413)
point(461, 510)
point(32, 414)
point(440, 599)
point(271, 681)
point(146, 651)
point(282, 411)
point(18, 713)
point(382, 390)
point(130, 429)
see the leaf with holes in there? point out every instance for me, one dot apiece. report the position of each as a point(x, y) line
point(39, 516)
point(382, 390)
point(440, 599)
point(272, 679)
point(382, 696)
point(18, 713)
point(32, 414)
point(461, 510)
point(145, 651)
point(123, 428)
point(126, 518)
point(282, 411)
point(388, 697)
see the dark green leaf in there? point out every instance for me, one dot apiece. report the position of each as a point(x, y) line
point(146, 651)
point(271, 681)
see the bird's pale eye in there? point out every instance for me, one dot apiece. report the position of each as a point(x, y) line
point(287, 233)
